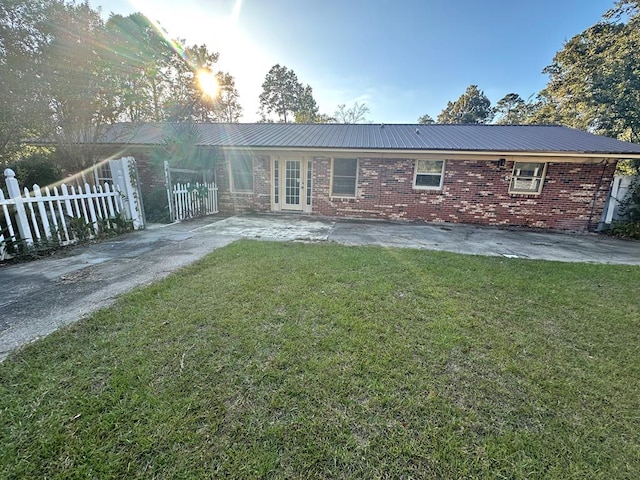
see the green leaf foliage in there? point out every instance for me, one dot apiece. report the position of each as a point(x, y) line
point(472, 106)
point(594, 81)
point(307, 111)
point(512, 109)
point(281, 92)
point(66, 75)
point(426, 120)
point(36, 168)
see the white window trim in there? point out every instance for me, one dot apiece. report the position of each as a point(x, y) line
point(415, 174)
point(355, 190)
point(231, 182)
point(528, 192)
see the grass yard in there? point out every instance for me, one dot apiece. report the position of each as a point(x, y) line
point(271, 360)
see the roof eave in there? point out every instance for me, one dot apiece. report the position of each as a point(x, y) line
point(394, 151)
point(385, 152)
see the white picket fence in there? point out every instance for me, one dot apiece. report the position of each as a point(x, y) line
point(47, 214)
point(192, 200)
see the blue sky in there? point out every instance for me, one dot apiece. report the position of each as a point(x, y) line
point(403, 58)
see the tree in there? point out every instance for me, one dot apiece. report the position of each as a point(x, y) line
point(307, 110)
point(281, 92)
point(66, 75)
point(142, 58)
point(471, 107)
point(24, 32)
point(227, 107)
point(158, 82)
point(77, 83)
point(185, 100)
point(594, 81)
point(426, 120)
point(513, 109)
point(356, 114)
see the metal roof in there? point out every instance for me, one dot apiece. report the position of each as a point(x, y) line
point(437, 137)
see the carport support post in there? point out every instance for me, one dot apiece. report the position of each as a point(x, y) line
point(13, 188)
point(125, 178)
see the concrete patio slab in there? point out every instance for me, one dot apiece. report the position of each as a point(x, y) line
point(272, 227)
point(477, 240)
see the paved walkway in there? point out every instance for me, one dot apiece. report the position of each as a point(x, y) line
point(39, 297)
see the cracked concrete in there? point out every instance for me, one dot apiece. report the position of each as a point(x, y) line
point(39, 297)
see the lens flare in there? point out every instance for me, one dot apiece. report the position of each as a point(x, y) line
point(208, 83)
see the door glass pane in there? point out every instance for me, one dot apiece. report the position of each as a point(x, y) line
point(292, 182)
point(276, 181)
point(309, 177)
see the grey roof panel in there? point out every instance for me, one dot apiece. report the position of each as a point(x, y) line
point(490, 138)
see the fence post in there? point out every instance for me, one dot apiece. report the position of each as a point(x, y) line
point(169, 187)
point(14, 193)
point(125, 177)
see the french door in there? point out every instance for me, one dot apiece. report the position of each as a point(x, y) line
point(292, 179)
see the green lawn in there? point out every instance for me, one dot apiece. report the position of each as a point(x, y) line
point(270, 360)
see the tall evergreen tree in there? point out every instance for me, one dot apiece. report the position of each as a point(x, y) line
point(472, 106)
point(513, 109)
point(307, 111)
point(281, 92)
point(227, 107)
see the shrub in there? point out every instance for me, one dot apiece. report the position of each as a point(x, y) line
point(156, 206)
point(625, 230)
point(36, 168)
point(629, 226)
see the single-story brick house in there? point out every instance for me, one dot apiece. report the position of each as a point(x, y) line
point(540, 176)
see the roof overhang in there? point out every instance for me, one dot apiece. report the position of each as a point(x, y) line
point(449, 154)
point(560, 156)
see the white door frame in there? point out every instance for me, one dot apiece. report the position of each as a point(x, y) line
point(278, 183)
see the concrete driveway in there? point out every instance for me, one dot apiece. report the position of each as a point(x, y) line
point(39, 297)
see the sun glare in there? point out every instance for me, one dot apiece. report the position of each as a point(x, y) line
point(220, 30)
point(208, 83)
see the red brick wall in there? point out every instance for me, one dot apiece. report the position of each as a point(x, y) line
point(151, 176)
point(258, 201)
point(472, 192)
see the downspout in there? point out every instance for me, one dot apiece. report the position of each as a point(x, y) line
point(595, 193)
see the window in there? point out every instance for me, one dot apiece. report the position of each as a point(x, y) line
point(527, 177)
point(241, 173)
point(429, 174)
point(345, 172)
